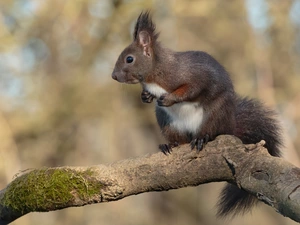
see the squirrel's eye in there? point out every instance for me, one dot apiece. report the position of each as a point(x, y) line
point(129, 59)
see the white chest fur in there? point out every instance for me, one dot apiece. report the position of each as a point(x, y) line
point(155, 89)
point(185, 116)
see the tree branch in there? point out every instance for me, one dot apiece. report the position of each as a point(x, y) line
point(273, 180)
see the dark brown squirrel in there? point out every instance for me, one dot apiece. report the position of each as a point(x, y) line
point(195, 102)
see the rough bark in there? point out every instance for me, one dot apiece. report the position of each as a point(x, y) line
point(273, 180)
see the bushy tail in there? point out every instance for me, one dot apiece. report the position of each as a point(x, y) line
point(254, 122)
point(234, 201)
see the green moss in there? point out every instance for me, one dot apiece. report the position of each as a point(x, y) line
point(50, 189)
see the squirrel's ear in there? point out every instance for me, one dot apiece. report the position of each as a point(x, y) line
point(145, 42)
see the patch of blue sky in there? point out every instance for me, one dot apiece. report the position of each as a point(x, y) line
point(11, 85)
point(25, 8)
point(15, 64)
point(295, 12)
point(33, 52)
point(28, 59)
point(100, 8)
point(257, 11)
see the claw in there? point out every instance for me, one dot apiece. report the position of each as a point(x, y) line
point(147, 97)
point(167, 148)
point(160, 101)
point(206, 139)
point(199, 143)
point(193, 143)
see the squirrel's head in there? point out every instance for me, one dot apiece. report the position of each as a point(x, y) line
point(137, 60)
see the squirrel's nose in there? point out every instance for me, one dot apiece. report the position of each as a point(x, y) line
point(114, 76)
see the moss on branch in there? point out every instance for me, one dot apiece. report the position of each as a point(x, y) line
point(50, 189)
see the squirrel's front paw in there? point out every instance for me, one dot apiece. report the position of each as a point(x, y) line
point(165, 100)
point(147, 97)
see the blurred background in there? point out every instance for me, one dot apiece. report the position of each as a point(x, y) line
point(59, 105)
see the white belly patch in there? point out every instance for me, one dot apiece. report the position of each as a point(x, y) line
point(186, 116)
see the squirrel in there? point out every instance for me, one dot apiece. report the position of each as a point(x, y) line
point(195, 102)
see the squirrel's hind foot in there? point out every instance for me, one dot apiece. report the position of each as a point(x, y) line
point(199, 143)
point(167, 148)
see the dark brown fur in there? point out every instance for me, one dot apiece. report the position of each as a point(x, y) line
point(195, 77)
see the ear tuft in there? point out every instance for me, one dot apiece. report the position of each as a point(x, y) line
point(144, 24)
